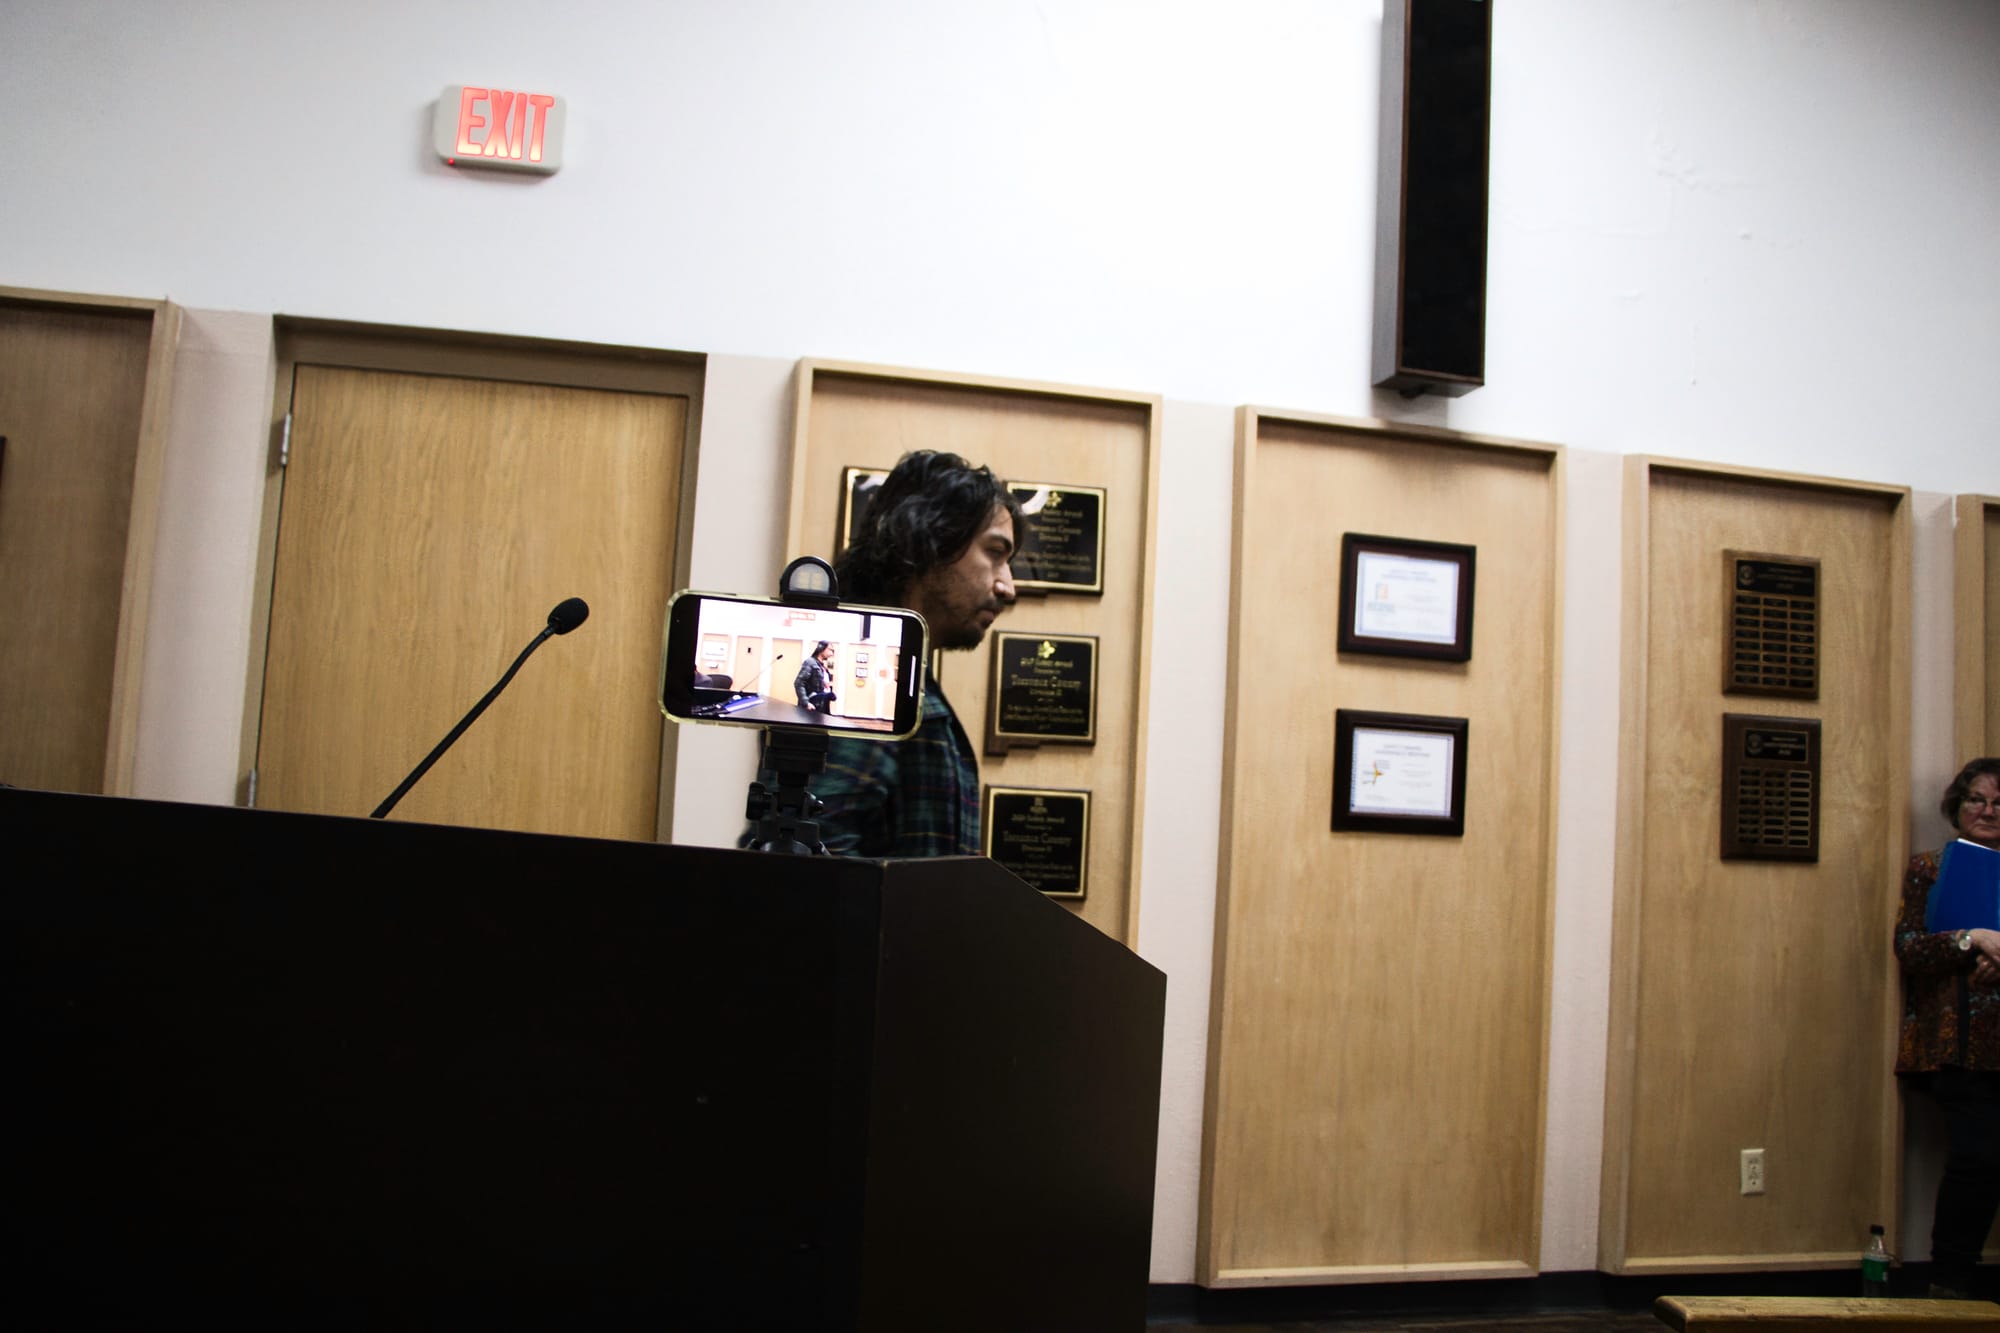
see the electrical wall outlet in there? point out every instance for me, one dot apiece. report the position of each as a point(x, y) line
point(1753, 1170)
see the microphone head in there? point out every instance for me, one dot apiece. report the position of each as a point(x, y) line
point(568, 614)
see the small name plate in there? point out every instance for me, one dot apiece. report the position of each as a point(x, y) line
point(1042, 835)
point(1044, 689)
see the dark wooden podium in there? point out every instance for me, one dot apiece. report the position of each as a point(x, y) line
point(291, 1071)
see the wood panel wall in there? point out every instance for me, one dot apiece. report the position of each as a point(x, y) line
point(869, 416)
point(1753, 1002)
point(1378, 1043)
point(1976, 614)
point(84, 386)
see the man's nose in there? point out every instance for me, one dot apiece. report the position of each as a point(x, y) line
point(1003, 586)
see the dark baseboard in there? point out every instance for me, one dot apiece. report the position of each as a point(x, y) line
point(1550, 1293)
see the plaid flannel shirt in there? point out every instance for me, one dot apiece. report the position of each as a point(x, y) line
point(915, 797)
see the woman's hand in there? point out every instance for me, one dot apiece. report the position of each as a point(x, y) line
point(1986, 947)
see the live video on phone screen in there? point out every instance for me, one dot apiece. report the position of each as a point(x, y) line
point(798, 666)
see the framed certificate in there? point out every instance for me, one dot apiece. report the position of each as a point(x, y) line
point(1398, 773)
point(1405, 598)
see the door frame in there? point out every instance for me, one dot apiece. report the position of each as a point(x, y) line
point(121, 739)
point(484, 356)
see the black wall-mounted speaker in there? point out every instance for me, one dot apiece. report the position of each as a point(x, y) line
point(1430, 240)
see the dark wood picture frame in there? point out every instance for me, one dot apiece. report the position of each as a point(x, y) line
point(1771, 787)
point(1773, 624)
point(857, 487)
point(1354, 546)
point(1350, 818)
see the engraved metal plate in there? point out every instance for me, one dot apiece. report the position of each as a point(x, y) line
point(1772, 646)
point(1061, 545)
point(1042, 835)
point(1043, 688)
point(1770, 788)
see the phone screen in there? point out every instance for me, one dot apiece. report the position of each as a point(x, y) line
point(853, 669)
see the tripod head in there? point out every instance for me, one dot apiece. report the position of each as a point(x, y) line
point(785, 813)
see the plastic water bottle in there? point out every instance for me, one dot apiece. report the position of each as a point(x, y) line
point(1875, 1264)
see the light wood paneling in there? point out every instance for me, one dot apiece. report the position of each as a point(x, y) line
point(858, 416)
point(82, 405)
point(1378, 1028)
point(1753, 1002)
point(429, 524)
point(1976, 614)
point(1843, 1314)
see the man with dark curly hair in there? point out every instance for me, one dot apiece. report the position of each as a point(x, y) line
point(937, 537)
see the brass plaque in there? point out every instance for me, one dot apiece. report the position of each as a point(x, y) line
point(1772, 646)
point(1044, 688)
point(1770, 788)
point(1042, 835)
point(1061, 544)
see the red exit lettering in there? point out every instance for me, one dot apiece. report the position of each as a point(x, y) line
point(514, 122)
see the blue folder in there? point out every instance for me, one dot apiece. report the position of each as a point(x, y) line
point(1967, 893)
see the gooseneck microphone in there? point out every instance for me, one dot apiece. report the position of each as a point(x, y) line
point(758, 679)
point(567, 615)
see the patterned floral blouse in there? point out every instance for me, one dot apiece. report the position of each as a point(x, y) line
point(1946, 1019)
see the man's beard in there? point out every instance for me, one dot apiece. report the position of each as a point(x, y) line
point(958, 637)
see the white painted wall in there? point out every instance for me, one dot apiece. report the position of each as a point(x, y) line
point(1754, 231)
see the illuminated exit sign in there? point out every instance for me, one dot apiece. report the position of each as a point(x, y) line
point(499, 127)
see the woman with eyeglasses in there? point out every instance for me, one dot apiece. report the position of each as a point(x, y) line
point(1951, 1036)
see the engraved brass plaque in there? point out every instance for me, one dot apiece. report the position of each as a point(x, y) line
point(1772, 645)
point(1044, 688)
point(1061, 545)
point(1042, 835)
point(1770, 788)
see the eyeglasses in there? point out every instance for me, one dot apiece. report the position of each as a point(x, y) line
point(1979, 803)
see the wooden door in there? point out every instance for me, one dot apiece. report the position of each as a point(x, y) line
point(1376, 1084)
point(72, 386)
point(429, 524)
point(1754, 1002)
point(789, 653)
point(748, 664)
